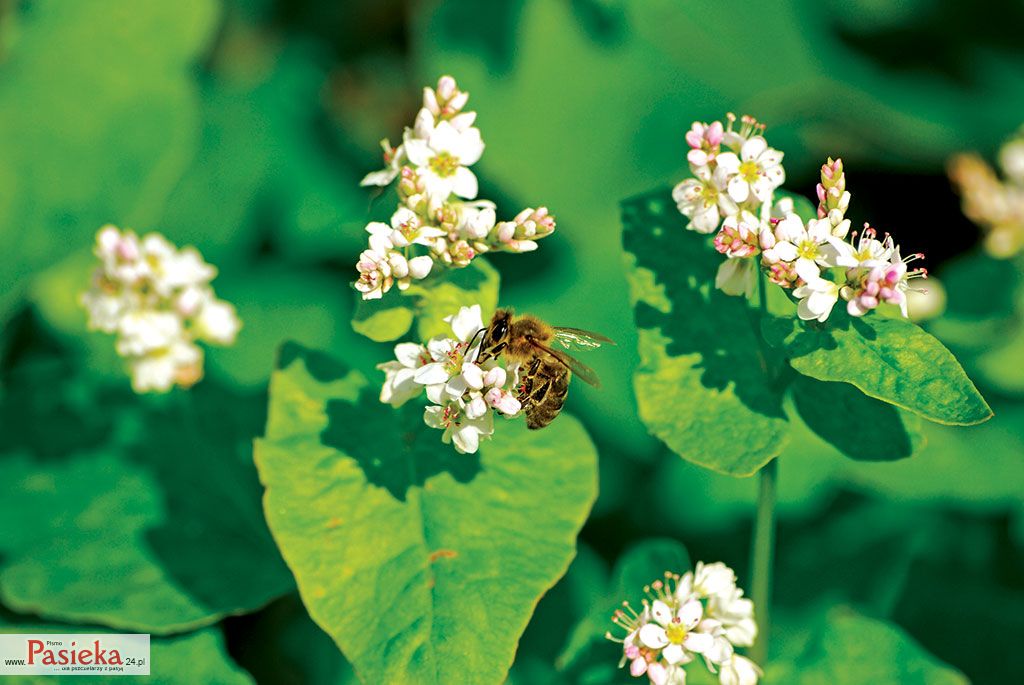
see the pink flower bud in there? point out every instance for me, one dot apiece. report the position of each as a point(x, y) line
point(715, 133)
point(638, 667)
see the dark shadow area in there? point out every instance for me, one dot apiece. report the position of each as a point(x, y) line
point(320, 366)
point(980, 568)
point(486, 29)
point(958, 32)
point(213, 540)
point(280, 644)
point(49, 398)
point(702, 320)
point(393, 447)
point(859, 426)
point(604, 22)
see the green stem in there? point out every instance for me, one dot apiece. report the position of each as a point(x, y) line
point(762, 552)
point(763, 556)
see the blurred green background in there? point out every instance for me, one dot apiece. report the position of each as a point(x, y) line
point(244, 127)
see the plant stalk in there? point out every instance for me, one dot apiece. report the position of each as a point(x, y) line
point(762, 553)
point(763, 557)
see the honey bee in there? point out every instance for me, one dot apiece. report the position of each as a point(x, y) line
point(545, 371)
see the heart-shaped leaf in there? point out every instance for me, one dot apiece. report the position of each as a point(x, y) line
point(702, 385)
point(424, 565)
point(890, 359)
point(155, 528)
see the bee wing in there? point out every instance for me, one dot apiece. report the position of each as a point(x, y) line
point(579, 339)
point(586, 374)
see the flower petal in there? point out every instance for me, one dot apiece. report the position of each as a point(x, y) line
point(653, 636)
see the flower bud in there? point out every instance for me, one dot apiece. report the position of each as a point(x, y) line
point(476, 408)
point(446, 88)
point(495, 377)
point(419, 267)
point(399, 265)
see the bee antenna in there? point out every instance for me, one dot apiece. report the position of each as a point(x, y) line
point(472, 340)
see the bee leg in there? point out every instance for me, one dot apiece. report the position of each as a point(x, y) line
point(485, 355)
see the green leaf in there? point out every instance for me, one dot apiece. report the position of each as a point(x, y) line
point(428, 302)
point(131, 135)
point(164, 509)
point(638, 567)
point(890, 359)
point(424, 565)
point(477, 283)
point(198, 657)
point(845, 648)
point(383, 320)
point(701, 385)
point(837, 412)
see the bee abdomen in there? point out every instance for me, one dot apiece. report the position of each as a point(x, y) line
point(547, 395)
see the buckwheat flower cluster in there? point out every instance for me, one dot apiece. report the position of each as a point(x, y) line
point(463, 395)
point(157, 299)
point(701, 613)
point(818, 261)
point(439, 221)
point(993, 203)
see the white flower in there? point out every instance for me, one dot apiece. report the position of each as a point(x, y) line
point(476, 220)
point(739, 670)
point(867, 288)
point(868, 252)
point(443, 159)
point(817, 297)
point(737, 277)
point(807, 247)
point(374, 274)
point(400, 384)
point(144, 331)
point(217, 322)
point(459, 428)
point(157, 299)
point(713, 579)
point(180, 363)
point(757, 171)
point(698, 199)
point(467, 323)
point(409, 228)
point(672, 631)
point(393, 161)
point(701, 612)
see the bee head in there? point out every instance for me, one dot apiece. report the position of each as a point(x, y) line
point(498, 329)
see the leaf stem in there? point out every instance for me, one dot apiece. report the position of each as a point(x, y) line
point(763, 557)
point(762, 551)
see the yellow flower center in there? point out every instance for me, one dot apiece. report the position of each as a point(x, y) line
point(676, 633)
point(808, 249)
point(444, 164)
point(749, 171)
